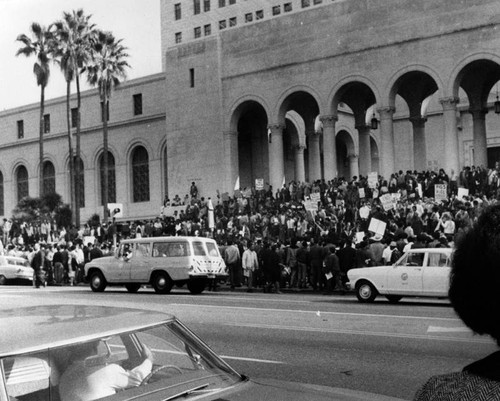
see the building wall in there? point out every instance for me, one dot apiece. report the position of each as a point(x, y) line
point(126, 131)
point(317, 50)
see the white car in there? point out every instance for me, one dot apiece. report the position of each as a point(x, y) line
point(419, 272)
point(14, 268)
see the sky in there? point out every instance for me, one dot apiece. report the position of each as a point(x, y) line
point(137, 22)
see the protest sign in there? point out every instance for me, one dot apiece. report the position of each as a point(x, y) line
point(462, 192)
point(372, 179)
point(361, 192)
point(259, 184)
point(315, 197)
point(387, 202)
point(359, 236)
point(377, 226)
point(440, 193)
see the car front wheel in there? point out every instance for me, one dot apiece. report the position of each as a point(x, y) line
point(366, 292)
point(162, 283)
point(97, 282)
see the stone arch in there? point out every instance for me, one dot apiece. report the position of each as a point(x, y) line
point(334, 96)
point(238, 107)
point(453, 84)
point(286, 98)
point(390, 89)
point(346, 148)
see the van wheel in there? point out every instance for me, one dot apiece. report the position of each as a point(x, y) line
point(132, 287)
point(97, 281)
point(196, 286)
point(162, 283)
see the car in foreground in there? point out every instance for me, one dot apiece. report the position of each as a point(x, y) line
point(418, 273)
point(39, 345)
point(15, 269)
point(161, 262)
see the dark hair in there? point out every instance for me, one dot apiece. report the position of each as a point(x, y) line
point(475, 275)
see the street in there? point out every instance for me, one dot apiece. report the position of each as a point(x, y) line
point(327, 340)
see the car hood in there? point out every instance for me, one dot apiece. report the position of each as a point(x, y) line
point(276, 390)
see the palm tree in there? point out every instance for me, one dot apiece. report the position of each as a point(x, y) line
point(74, 33)
point(39, 46)
point(105, 69)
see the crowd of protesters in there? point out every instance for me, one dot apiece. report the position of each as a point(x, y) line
point(302, 235)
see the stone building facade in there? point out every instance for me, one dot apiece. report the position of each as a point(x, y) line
point(280, 90)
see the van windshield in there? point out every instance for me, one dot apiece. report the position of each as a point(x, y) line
point(199, 249)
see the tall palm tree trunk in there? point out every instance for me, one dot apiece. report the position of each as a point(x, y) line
point(105, 157)
point(42, 111)
point(70, 148)
point(77, 167)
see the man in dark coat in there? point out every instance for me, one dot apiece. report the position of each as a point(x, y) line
point(37, 264)
point(271, 268)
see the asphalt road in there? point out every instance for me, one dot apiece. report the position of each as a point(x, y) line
point(327, 340)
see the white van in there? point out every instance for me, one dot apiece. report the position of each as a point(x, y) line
point(160, 261)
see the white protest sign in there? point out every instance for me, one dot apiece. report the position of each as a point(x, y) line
point(462, 192)
point(372, 179)
point(377, 226)
point(440, 192)
point(315, 197)
point(387, 202)
point(259, 184)
point(361, 193)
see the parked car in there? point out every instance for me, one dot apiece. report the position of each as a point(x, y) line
point(160, 261)
point(418, 273)
point(35, 367)
point(13, 268)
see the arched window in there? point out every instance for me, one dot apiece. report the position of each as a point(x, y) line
point(22, 183)
point(2, 207)
point(49, 178)
point(111, 178)
point(80, 182)
point(140, 174)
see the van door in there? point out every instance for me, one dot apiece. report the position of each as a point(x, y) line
point(139, 265)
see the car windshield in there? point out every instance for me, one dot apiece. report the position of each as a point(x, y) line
point(102, 367)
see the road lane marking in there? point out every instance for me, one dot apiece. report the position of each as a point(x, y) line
point(362, 333)
point(314, 312)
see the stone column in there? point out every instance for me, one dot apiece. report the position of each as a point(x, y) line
point(419, 143)
point(300, 169)
point(388, 154)
point(450, 151)
point(232, 160)
point(353, 165)
point(365, 154)
point(276, 159)
point(314, 156)
point(479, 133)
point(329, 147)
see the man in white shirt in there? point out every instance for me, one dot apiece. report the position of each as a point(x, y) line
point(84, 381)
point(249, 263)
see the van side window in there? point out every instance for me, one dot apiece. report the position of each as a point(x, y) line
point(142, 250)
point(212, 249)
point(199, 249)
point(170, 249)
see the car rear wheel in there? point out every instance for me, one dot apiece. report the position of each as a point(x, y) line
point(132, 287)
point(196, 286)
point(97, 282)
point(393, 299)
point(366, 292)
point(3, 280)
point(162, 283)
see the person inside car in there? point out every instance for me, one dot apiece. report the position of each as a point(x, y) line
point(85, 380)
point(474, 281)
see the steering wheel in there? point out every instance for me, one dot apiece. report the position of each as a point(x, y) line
point(158, 369)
